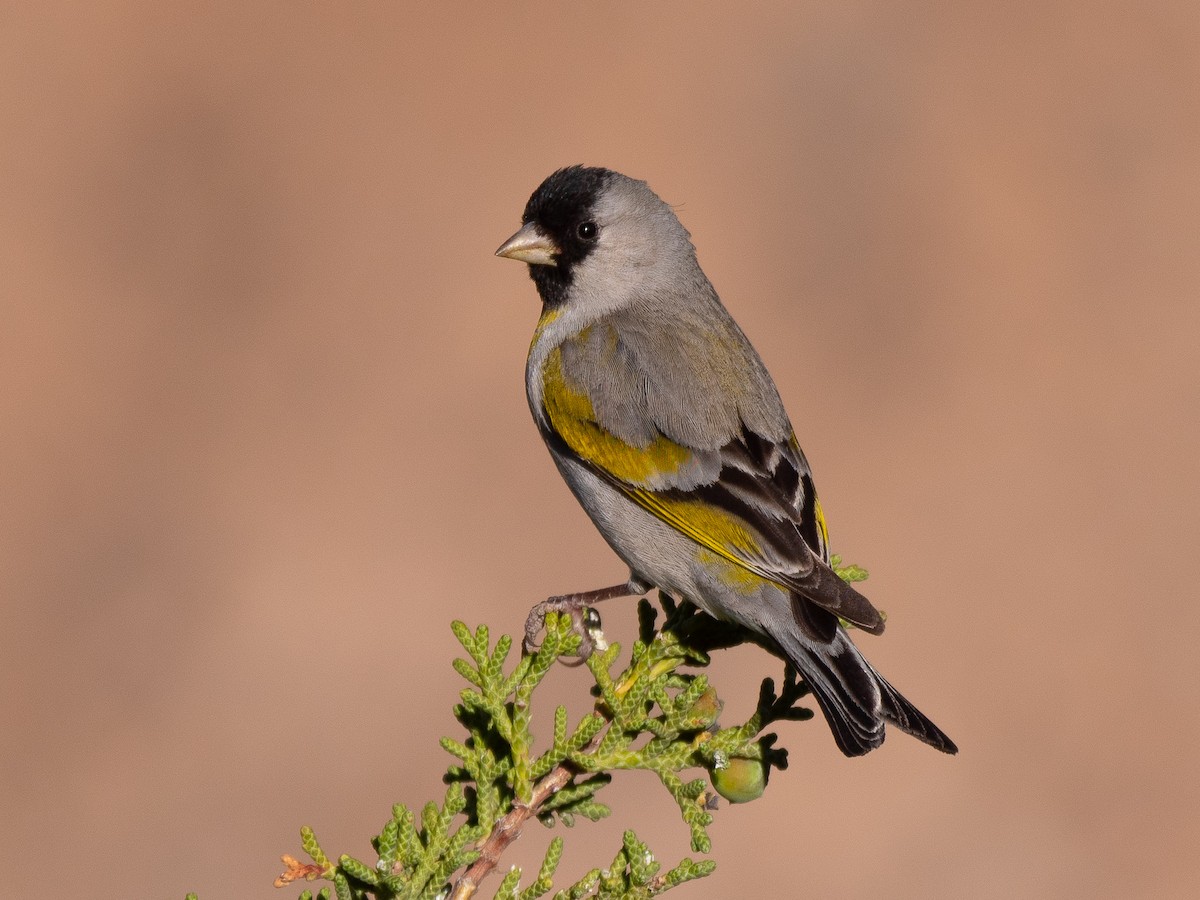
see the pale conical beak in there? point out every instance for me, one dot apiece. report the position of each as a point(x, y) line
point(530, 245)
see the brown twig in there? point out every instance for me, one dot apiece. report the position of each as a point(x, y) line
point(509, 827)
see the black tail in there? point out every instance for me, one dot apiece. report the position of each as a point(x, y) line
point(855, 699)
point(909, 719)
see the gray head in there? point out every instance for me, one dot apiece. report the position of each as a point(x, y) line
point(593, 236)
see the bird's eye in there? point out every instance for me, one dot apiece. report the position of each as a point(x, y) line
point(588, 230)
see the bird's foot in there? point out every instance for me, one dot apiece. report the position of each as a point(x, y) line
point(585, 621)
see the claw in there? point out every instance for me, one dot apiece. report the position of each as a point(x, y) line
point(585, 621)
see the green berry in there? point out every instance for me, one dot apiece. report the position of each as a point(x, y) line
point(707, 707)
point(740, 780)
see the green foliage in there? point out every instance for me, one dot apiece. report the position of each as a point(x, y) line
point(649, 715)
point(848, 572)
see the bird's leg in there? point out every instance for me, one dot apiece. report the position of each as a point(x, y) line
point(584, 620)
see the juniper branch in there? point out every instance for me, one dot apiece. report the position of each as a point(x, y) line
point(652, 715)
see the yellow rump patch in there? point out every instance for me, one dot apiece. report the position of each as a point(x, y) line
point(733, 575)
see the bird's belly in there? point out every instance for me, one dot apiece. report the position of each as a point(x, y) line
point(659, 554)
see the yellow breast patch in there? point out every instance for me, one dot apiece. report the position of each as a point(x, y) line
point(573, 418)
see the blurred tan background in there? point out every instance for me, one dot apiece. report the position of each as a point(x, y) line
point(263, 431)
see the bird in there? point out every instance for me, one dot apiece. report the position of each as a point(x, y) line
point(665, 424)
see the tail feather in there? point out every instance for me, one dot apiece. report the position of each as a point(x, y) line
point(901, 713)
point(855, 699)
point(847, 693)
